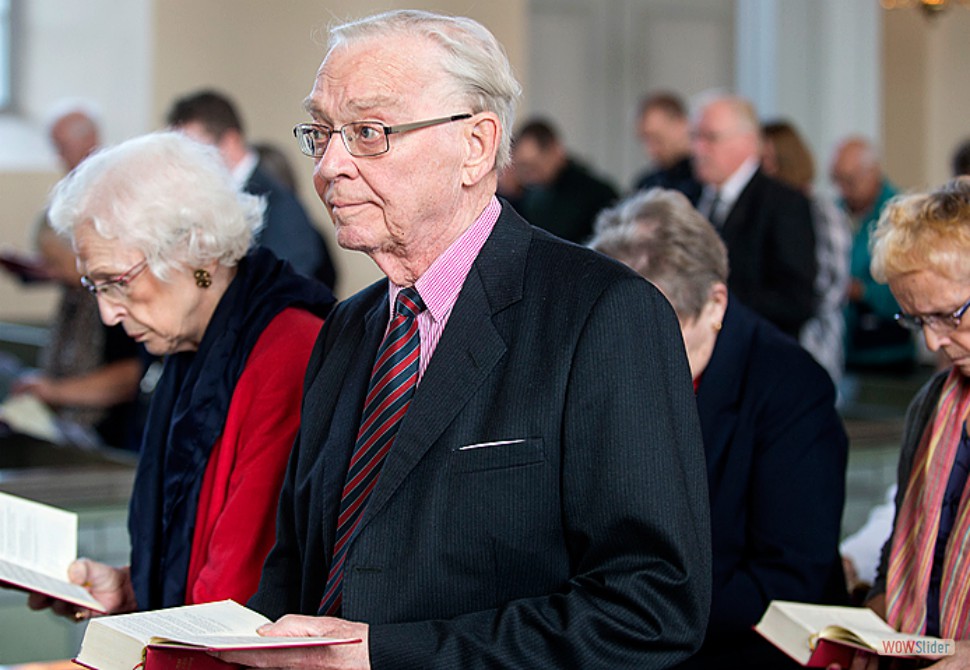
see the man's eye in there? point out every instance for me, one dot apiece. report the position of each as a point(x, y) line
point(369, 133)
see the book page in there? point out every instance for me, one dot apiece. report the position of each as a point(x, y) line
point(229, 642)
point(27, 415)
point(61, 589)
point(37, 536)
point(182, 623)
point(861, 621)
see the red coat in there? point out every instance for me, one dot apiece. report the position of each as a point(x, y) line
point(235, 525)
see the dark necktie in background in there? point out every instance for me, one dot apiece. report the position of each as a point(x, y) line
point(392, 384)
point(714, 210)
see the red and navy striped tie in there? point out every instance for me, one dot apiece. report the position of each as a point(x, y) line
point(391, 386)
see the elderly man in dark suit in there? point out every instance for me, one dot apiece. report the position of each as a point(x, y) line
point(542, 502)
point(766, 225)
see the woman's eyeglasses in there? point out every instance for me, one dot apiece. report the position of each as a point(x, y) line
point(938, 323)
point(116, 288)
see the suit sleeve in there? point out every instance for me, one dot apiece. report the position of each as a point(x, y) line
point(635, 516)
point(795, 499)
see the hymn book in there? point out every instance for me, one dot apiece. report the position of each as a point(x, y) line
point(37, 544)
point(180, 637)
point(818, 635)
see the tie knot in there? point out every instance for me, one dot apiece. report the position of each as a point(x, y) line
point(408, 303)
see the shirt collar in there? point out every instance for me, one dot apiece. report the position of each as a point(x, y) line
point(441, 283)
point(244, 169)
point(733, 185)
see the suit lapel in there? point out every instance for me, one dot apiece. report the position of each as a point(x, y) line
point(468, 351)
point(741, 209)
point(342, 397)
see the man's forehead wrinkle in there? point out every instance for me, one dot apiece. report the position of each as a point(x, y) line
point(369, 77)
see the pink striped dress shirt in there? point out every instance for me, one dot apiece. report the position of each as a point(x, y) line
point(440, 285)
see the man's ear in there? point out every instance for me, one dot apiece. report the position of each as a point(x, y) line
point(482, 136)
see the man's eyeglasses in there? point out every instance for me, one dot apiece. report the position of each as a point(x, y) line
point(362, 138)
point(115, 289)
point(938, 323)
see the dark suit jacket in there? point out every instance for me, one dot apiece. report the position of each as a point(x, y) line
point(582, 542)
point(289, 233)
point(679, 176)
point(568, 207)
point(776, 455)
point(771, 249)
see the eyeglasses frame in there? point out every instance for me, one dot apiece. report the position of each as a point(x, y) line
point(300, 129)
point(122, 281)
point(917, 323)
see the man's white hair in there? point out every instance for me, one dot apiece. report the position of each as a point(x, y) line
point(470, 55)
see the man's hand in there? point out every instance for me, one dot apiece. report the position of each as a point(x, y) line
point(336, 657)
point(110, 586)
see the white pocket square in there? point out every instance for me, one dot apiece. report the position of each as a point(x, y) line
point(484, 445)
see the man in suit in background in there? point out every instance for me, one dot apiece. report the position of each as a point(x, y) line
point(210, 117)
point(559, 193)
point(766, 225)
point(663, 128)
point(542, 502)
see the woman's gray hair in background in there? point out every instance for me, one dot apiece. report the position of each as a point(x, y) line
point(660, 235)
point(471, 55)
point(164, 194)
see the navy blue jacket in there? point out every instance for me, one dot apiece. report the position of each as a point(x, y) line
point(289, 233)
point(776, 455)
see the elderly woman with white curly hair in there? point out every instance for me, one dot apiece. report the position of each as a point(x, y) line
point(163, 238)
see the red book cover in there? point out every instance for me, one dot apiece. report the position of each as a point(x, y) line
point(170, 658)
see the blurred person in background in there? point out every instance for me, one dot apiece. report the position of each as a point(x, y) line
point(961, 159)
point(774, 444)
point(765, 224)
point(663, 128)
point(559, 193)
point(164, 238)
point(786, 157)
point(873, 341)
point(276, 164)
point(89, 372)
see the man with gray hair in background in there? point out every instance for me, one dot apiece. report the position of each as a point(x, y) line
point(873, 340)
point(74, 134)
point(526, 487)
point(766, 225)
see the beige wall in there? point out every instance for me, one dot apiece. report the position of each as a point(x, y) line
point(263, 53)
point(925, 94)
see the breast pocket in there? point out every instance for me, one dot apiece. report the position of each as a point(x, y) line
point(498, 454)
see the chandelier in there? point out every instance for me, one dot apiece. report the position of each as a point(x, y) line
point(929, 7)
